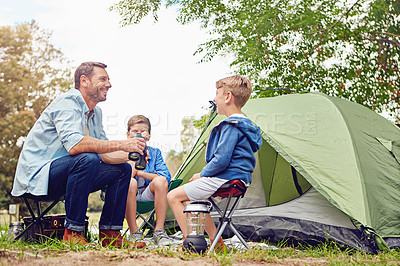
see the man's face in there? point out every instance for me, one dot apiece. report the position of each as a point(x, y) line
point(141, 128)
point(99, 84)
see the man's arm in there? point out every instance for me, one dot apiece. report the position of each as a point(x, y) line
point(89, 144)
point(115, 157)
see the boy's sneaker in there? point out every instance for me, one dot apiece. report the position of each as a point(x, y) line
point(161, 238)
point(135, 237)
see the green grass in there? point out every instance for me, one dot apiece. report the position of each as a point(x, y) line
point(327, 253)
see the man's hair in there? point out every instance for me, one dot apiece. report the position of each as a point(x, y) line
point(85, 69)
point(139, 119)
point(239, 86)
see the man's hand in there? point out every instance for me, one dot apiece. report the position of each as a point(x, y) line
point(134, 145)
point(195, 177)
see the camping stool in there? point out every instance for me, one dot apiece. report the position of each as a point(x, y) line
point(233, 188)
point(36, 219)
point(143, 207)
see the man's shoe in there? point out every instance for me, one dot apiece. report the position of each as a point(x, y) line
point(114, 238)
point(75, 238)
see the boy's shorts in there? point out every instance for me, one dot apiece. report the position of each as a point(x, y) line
point(146, 195)
point(203, 188)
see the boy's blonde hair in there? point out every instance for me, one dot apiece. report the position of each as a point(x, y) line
point(139, 119)
point(239, 86)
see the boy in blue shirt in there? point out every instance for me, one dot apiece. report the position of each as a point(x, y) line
point(230, 152)
point(150, 184)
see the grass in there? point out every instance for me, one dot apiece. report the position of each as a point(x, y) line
point(326, 253)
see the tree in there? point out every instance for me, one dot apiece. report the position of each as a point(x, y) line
point(32, 73)
point(346, 48)
point(189, 134)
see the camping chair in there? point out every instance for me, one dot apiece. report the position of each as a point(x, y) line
point(234, 188)
point(143, 207)
point(34, 224)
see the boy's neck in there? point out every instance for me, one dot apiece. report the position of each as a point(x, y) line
point(233, 110)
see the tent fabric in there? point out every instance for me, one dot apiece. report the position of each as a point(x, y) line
point(312, 142)
point(310, 225)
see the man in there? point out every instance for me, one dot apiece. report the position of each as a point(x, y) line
point(61, 156)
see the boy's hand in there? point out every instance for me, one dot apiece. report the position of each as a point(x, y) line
point(134, 171)
point(195, 177)
point(147, 156)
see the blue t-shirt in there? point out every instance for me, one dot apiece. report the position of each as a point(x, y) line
point(156, 165)
point(60, 127)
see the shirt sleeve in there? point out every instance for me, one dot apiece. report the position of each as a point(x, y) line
point(223, 152)
point(98, 124)
point(161, 168)
point(68, 124)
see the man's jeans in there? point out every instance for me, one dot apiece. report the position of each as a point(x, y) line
point(76, 176)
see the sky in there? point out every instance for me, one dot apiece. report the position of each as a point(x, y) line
point(151, 65)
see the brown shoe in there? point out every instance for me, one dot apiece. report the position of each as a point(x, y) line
point(114, 238)
point(75, 238)
point(220, 246)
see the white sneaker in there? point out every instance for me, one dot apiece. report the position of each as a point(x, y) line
point(161, 238)
point(135, 237)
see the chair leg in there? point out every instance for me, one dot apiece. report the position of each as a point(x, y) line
point(36, 220)
point(146, 221)
point(239, 235)
point(224, 220)
point(230, 223)
point(217, 236)
point(39, 210)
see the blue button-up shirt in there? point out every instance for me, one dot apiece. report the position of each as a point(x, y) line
point(60, 127)
point(155, 165)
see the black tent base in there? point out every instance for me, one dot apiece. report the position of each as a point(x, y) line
point(296, 231)
point(289, 231)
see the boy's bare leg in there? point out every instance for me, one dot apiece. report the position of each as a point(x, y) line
point(159, 188)
point(176, 198)
point(130, 212)
point(210, 227)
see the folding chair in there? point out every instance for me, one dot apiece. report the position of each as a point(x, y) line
point(234, 188)
point(35, 229)
point(143, 207)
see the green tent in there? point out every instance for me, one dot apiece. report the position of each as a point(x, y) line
point(328, 169)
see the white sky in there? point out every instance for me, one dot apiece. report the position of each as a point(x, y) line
point(151, 65)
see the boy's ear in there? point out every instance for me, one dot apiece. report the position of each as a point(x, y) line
point(228, 97)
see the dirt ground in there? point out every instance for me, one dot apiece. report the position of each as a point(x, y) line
point(125, 257)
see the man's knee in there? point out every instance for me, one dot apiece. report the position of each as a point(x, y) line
point(125, 170)
point(88, 158)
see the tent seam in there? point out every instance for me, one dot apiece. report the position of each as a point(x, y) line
point(368, 220)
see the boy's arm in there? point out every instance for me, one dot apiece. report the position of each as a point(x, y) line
point(148, 176)
point(160, 167)
point(223, 153)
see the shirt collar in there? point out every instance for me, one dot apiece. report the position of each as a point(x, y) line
point(238, 115)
